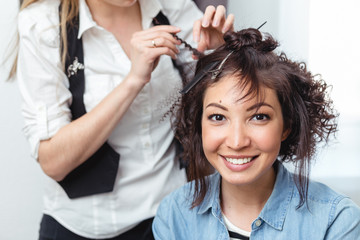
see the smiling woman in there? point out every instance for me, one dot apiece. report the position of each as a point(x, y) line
point(251, 111)
point(242, 138)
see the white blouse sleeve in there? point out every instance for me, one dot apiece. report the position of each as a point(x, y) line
point(42, 82)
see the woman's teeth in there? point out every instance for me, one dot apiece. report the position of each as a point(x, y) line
point(238, 161)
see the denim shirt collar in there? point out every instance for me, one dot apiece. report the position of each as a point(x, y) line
point(276, 207)
point(212, 197)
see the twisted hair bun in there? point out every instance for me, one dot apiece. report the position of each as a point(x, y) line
point(249, 38)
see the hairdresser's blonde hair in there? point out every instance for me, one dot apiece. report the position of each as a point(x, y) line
point(69, 10)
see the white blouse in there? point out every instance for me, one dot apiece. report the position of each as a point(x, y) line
point(147, 169)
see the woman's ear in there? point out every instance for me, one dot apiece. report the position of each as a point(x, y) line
point(285, 134)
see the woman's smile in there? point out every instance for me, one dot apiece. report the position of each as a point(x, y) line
point(238, 160)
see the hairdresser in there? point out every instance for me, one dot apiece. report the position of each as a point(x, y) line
point(95, 77)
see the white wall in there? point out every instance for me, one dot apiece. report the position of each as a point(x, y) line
point(334, 52)
point(20, 176)
point(324, 34)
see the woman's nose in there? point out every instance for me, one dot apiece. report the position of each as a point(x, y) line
point(237, 136)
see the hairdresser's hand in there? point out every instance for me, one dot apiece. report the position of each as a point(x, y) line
point(146, 48)
point(209, 30)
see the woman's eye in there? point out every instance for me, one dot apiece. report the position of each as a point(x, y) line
point(216, 117)
point(261, 117)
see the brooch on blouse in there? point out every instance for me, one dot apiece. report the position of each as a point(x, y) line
point(74, 67)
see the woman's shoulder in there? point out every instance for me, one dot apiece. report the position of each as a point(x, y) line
point(40, 20)
point(43, 11)
point(322, 193)
point(322, 198)
point(177, 219)
point(184, 195)
point(340, 213)
point(317, 192)
point(39, 8)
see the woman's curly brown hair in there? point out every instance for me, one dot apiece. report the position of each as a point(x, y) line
point(307, 110)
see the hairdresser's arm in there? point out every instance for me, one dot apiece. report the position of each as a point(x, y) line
point(77, 141)
point(209, 30)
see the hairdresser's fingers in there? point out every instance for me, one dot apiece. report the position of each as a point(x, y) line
point(211, 38)
point(229, 23)
point(208, 31)
point(162, 36)
point(160, 42)
point(161, 39)
point(204, 43)
point(162, 28)
point(208, 16)
point(219, 16)
point(165, 30)
point(157, 52)
point(142, 65)
point(197, 30)
point(204, 36)
point(206, 21)
point(144, 55)
point(145, 61)
point(154, 38)
point(149, 49)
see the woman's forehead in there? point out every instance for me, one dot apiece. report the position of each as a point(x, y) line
point(235, 89)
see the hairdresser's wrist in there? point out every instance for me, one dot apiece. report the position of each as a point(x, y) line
point(134, 82)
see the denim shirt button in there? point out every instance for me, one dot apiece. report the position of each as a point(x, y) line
point(258, 222)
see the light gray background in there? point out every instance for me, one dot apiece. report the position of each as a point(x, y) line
point(312, 31)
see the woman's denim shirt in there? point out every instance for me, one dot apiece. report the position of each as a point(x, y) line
point(327, 215)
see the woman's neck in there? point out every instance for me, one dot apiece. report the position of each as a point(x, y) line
point(112, 16)
point(243, 204)
point(121, 21)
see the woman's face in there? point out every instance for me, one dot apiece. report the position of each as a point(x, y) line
point(241, 138)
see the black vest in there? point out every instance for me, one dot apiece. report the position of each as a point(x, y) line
point(97, 174)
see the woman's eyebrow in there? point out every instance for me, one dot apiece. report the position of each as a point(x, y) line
point(258, 105)
point(217, 105)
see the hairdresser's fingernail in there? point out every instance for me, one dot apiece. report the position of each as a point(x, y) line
point(216, 23)
point(205, 23)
